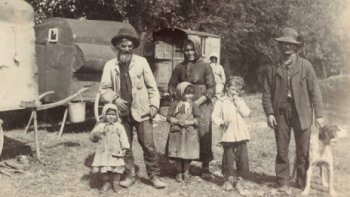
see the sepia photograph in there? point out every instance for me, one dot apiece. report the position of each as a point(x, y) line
point(185, 98)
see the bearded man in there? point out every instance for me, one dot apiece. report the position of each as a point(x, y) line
point(128, 82)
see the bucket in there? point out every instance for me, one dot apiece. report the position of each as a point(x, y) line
point(77, 111)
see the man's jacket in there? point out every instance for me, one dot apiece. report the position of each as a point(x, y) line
point(304, 87)
point(144, 88)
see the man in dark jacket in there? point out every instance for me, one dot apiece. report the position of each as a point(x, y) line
point(291, 97)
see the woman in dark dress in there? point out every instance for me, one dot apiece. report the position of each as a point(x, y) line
point(200, 74)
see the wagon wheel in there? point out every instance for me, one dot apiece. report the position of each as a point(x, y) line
point(97, 107)
point(1, 137)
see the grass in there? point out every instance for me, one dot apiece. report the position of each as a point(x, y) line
point(67, 159)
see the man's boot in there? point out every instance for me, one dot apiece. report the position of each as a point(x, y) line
point(157, 182)
point(205, 173)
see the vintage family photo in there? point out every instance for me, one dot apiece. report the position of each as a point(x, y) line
point(174, 98)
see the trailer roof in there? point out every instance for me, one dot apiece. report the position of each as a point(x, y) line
point(83, 31)
point(199, 33)
point(184, 31)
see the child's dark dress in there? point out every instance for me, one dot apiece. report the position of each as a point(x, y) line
point(183, 142)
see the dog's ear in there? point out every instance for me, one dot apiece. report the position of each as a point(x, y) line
point(325, 135)
point(333, 130)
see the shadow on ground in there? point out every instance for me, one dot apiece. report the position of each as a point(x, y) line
point(13, 148)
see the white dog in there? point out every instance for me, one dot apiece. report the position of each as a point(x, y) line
point(320, 155)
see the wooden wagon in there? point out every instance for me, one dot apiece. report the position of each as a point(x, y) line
point(18, 69)
point(168, 51)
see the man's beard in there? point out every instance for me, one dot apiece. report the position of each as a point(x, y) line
point(124, 58)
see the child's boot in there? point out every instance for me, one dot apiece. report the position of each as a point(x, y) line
point(107, 184)
point(229, 183)
point(178, 177)
point(186, 176)
point(116, 180)
point(179, 169)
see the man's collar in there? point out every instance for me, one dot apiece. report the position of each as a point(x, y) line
point(293, 64)
point(290, 61)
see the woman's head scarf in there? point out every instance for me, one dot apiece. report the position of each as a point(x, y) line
point(197, 47)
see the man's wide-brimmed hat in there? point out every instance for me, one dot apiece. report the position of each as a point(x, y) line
point(289, 35)
point(128, 34)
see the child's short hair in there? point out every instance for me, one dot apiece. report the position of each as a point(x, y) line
point(189, 90)
point(235, 81)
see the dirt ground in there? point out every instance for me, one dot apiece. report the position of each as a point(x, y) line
point(65, 170)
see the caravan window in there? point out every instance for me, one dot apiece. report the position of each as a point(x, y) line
point(53, 35)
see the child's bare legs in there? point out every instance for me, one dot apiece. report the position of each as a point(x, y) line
point(186, 168)
point(179, 169)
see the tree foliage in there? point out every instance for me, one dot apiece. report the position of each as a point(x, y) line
point(247, 27)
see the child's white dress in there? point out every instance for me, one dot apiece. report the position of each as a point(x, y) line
point(108, 155)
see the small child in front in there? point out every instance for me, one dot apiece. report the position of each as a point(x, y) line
point(183, 139)
point(110, 150)
point(228, 115)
